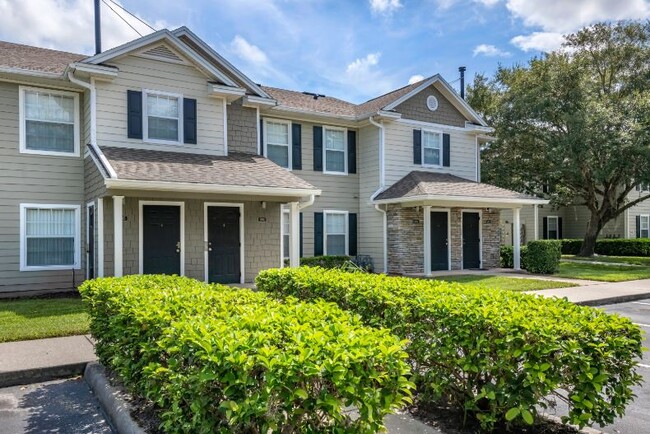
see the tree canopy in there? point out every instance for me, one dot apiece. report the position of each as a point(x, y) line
point(576, 120)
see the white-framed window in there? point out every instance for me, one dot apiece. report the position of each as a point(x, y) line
point(286, 230)
point(162, 117)
point(50, 237)
point(336, 232)
point(335, 150)
point(552, 228)
point(277, 142)
point(49, 121)
point(644, 226)
point(431, 148)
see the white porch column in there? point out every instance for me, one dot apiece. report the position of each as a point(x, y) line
point(427, 240)
point(294, 234)
point(100, 237)
point(536, 220)
point(118, 205)
point(516, 238)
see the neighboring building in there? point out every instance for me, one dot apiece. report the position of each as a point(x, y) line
point(571, 221)
point(159, 156)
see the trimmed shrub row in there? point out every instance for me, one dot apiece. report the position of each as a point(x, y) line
point(364, 262)
point(611, 247)
point(495, 354)
point(541, 257)
point(219, 359)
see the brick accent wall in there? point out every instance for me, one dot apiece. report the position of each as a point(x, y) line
point(405, 240)
point(491, 238)
point(456, 239)
point(242, 128)
point(416, 108)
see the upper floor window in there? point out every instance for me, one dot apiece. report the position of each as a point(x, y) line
point(49, 122)
point(644, 226)
point(50, 236)
point(278, 139)
point(643, 187)
point(335, 150)
point(431, 148)
point(336, 232)
point(162, 117)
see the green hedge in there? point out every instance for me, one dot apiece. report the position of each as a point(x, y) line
point(611, 247)
point(219, 359)
point(543, 257)
point(507, 257)
point(495, 354)
point(363, 262)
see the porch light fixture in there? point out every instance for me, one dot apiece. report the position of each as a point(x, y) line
point(263, 204)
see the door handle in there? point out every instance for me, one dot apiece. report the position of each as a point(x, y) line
point(209, 246)
point(178, 247)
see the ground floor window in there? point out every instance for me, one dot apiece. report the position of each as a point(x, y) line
point(286, 230)
point(552, 230)
point(644, 226)
point(336, 232)
point(49, 236)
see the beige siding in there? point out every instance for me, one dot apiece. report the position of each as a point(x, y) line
point(642, 208)
point(138, 73)
point(399, 152)
point(29, 178)
point(416, 108)
point(526, 217)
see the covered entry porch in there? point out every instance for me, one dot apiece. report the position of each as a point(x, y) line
point(440, 222)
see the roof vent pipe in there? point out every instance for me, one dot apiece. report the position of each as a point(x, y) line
point(98, 28)
point(462, 81)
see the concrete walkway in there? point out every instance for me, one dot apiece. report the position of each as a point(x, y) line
point(599, 293)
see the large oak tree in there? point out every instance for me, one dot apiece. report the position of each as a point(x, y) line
point(577, 120)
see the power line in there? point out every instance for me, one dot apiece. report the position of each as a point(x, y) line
point(121, 17)
point(132, 14)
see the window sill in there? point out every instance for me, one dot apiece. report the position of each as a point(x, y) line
point(162, 142)
point(51, 153)
point(50, 267)
point(432, 166)
point(335, 173)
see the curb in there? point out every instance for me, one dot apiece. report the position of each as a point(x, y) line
point(614, 300)
point(38, 375)
point(116, 409)
point(585, 430)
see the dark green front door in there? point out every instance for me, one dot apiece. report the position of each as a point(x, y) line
point(439, 241)
point(161, 239)
point(224, 265)
point(471, 240)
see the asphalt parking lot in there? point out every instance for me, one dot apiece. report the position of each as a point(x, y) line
point(637, 415)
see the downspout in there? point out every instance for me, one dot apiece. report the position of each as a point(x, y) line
point(310, 202)
point(93, 102)
point(382, 185)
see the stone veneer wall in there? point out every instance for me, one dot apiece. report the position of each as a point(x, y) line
point(406, 244)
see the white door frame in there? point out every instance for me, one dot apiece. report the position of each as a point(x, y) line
point(480, 235)
point(242, 262)
point(141, 204)
point(89, 205)
point(427, 237)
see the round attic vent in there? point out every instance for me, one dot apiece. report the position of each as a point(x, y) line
point(432, 103)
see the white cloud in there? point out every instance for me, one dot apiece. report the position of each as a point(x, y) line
point(538, 41)
point(562, 16)
point(415, 78)
point(490, 51)
point(65, 25)
point(362, 66)
point(248, 52)
point(384, 7)
point(487, 3)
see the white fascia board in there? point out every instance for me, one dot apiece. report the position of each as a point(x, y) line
point(106, 165)
point(256, 101)
point(229, 93)
point(184, 31)
point(188, 187)
point(486, 201)
point(97, 71)
point(31, 73)
point(160, 35)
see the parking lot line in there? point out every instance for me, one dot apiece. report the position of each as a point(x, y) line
point(641, 302)
point(641, 325)
point(643, 366)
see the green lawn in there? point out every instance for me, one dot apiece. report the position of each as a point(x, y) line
point(633, 260)
point(504, 282)
point(37, 318)
point(605, 273)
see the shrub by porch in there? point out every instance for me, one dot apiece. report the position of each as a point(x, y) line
point(496, 354)
point(219, 359)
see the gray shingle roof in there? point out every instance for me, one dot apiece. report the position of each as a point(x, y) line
point(20, 56)
point(236, 169)
point(421, 184)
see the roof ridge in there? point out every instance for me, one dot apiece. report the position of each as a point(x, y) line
point(395, 90)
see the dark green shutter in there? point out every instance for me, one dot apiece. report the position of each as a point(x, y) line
point(559, 228)
point(318, 234)
point(417, 146)
point(301, 252)
point(134, 114)
point(446, 150)
point(545, 228)
point(352, 151)
point(189, 120)
point(296, 146)
point(318, 149)
point(352, 234)
point(261, 137)
point(638, 226)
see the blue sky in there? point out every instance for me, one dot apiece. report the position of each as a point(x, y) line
point(354, 49)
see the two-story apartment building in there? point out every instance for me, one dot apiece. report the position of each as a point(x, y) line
point(159, 156)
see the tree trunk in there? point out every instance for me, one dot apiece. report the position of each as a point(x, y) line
point(589, 241)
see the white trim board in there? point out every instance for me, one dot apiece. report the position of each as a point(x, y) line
point(142, 203)
point(89, 205)
point(242, 261)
